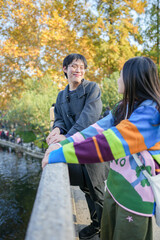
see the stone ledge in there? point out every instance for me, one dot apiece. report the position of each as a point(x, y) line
point(51, 218)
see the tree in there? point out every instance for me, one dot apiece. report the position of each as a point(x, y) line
point(37, 35)
point(31, 112)
point(151, 31)
point(109, 91)
point(117, 29)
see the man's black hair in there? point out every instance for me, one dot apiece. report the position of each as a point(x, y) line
point(69, 59)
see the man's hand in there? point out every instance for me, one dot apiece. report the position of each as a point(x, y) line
point(50, 149)
point(55, 131)
point(57, 138)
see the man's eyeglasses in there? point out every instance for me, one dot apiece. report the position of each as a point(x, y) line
point(75, 67)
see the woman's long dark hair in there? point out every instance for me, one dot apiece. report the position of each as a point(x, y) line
point(141, 82)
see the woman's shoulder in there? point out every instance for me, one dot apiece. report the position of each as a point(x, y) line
point(147, 111)
point(148, 107)
point(149, 103)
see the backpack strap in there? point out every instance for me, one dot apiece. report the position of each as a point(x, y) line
point(139, 163)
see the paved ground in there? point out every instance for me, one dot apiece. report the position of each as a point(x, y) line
point(80, 211)
point(81, 214)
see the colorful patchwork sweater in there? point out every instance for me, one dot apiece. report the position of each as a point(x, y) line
point(104, 142)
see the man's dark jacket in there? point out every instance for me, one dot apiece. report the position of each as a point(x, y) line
point(75, 111)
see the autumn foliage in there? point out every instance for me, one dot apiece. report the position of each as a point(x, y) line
point(36, 36)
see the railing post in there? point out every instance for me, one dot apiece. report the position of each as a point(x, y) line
point(51, 218)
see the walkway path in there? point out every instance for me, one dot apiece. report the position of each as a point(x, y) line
point(81, 214)
point(80, 211)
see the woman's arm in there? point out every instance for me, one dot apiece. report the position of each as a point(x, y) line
point(138, 133)
point(78, 137)
point(94, 129)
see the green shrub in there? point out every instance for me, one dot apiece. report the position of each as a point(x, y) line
point(27, 136)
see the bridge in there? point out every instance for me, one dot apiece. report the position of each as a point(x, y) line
point(21, 148)
point(60, 211)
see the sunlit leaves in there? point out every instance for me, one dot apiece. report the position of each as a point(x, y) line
point(151, 32)
point(110, 94)
point(37, 35)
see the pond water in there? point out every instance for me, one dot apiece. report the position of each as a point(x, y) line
point(19, 179)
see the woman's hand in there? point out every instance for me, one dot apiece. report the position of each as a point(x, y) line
point(50, 149)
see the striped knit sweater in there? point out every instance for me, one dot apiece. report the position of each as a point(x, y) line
point(104, 142)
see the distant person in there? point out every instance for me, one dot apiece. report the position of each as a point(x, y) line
point(19, 141)
point(3, 136)
point(32, 145)
point(78, 106)
point(7, 135)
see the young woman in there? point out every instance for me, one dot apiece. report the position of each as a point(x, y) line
point(133, 126)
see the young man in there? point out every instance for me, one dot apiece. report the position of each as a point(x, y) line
point(78, 106)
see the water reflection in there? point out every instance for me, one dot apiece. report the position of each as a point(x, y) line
point(19, 178)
